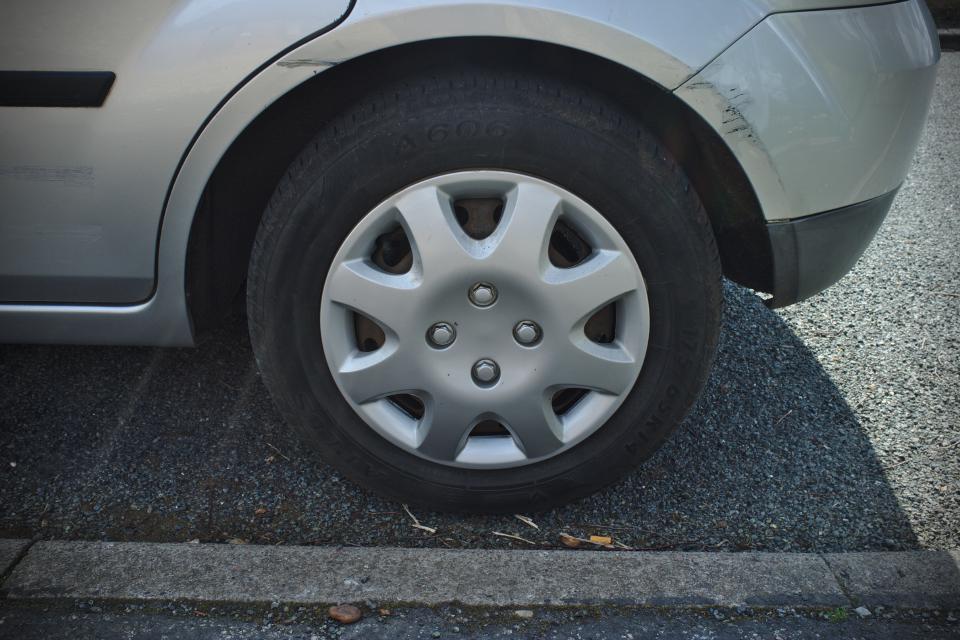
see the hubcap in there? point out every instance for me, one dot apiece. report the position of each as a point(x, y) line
point(482, 390)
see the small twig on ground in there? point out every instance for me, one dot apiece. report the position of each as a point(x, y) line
point(783, 417)
point(527, 521)
point(279, 453)
point(416, 523)
point(825, 334)
point(513, 537)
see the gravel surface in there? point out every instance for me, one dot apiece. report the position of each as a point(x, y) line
point(888, 335)
point(832, 425)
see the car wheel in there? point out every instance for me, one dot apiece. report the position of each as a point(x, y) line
point(484, 290)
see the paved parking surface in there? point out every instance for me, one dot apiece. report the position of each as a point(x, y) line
point(180, 623)
point(833, 425)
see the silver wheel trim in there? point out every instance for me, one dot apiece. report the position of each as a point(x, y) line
point(446, 264)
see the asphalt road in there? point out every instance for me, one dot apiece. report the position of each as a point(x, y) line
point(831, 425)
point(178, 622)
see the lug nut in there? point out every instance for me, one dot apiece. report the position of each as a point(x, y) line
point(483, 294)
point(441, 335)
point(527, 332)
point(486, 371)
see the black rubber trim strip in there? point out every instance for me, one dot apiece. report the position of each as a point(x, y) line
point(813, 252)
point(55, 88)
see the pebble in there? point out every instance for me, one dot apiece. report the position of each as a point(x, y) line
point(863, 612)
point(526, 614)
point(345, 613)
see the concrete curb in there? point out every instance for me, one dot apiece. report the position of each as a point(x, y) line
point(322, 575)
point(913, 579)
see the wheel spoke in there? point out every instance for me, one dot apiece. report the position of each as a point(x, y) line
point(432, 229)
point(377, 374)
point(535, 425)
point(443, 430)
point(523, 235)
point(359, 286)
point(608, 368)
point(593, 284)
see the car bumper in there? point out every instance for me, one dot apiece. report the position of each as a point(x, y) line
point(812, 253)
point(822, 109)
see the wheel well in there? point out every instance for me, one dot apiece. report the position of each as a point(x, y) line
point(240, 186)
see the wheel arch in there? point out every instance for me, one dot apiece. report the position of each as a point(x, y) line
point(234, 196)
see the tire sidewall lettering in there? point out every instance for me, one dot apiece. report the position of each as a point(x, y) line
point(464, 130)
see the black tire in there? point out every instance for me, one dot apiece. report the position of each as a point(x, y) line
point(527, 122)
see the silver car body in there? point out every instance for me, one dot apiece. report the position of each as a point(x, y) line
point(820, 101)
